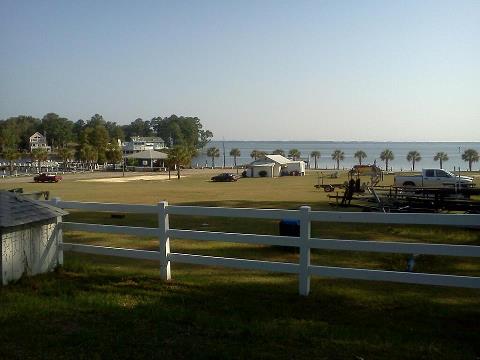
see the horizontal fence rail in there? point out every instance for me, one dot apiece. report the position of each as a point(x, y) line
point(304, 242)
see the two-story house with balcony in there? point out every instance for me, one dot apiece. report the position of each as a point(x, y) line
point(39, 141)
point(142, 143)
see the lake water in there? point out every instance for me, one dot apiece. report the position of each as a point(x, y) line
point(427, 151)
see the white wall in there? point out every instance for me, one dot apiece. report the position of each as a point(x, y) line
point(254, 171)
point(298, 166)
point(28, 250)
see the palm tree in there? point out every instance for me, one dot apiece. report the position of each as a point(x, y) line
point(181, 155)
point(235, 153)
point(278, 152)
point(315, 154)
point(213, 152)
point(294, 154)
point(387, 155)
point(338, 155)
point(39, 155)
point(471, 156)
point(441, 156)
point(413, 157)
point(360, 154)
point(255, 154)
point(10, 154)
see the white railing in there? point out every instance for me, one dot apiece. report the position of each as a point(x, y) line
point(304, 269)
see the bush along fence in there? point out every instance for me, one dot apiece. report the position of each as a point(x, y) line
point(304, 269)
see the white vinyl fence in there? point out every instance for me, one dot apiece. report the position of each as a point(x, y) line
point(305, 242)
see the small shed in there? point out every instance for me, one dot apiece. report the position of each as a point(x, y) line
point(30, 237)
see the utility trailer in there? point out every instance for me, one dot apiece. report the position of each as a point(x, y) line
point(373, 172)
point(412, 200)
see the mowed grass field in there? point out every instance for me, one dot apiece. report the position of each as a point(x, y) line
point(103, 307)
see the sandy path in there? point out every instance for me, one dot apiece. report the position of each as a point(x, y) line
point(129, 178)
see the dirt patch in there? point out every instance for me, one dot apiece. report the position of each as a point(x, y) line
point(128, 179)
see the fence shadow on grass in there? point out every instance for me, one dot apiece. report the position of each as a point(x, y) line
point(107, 309)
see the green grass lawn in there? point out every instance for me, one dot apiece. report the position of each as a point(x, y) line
point(104, 307)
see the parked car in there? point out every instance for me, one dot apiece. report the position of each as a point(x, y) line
point(225, 177)
point(47, 178)
point(434, 178)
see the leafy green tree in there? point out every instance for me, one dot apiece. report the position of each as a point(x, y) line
point(235, 153)
point(78, 128)
point(58, 130)
point(338, 155)
point(10, 154)
point(213, 152)
point(471, 156)
point(441, 156)
point(360, 155)
point(39, 155)
point(87, 153)
point(294, 154)
point(138, 127)
point(315, 154)
point(15, 132)
point(278, 152)
point(99, 137)
point(387, 155)
point(96, 120)
point(66, 154)
point(413, 157)
point(9, 138)
point(113, 152)
point(115, 131)
point(181, 130)
point(85, 136)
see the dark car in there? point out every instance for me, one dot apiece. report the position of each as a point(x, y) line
point(47, 178)
point(225, 177)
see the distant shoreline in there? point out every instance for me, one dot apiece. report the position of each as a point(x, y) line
point(350, 141)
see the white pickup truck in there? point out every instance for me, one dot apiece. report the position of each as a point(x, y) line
point(434, 178)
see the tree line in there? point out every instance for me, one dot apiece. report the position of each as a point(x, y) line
point(387, 155)
point(96, 140)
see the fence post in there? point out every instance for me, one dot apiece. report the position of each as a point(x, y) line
point(164, 241)
point(305, 230)
point(59, 230)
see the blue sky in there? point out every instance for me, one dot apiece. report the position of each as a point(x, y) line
point(250, 70)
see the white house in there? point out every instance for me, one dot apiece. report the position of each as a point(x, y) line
point(275, 165)
point(142, 143)
point(38, 141)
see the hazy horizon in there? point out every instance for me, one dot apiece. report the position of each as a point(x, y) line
point(279, 70)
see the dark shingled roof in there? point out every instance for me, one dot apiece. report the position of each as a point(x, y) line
point(16, 209)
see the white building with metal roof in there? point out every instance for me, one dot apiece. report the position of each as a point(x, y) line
point(275, 165)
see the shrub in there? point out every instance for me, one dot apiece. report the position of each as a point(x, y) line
point(262, 173)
